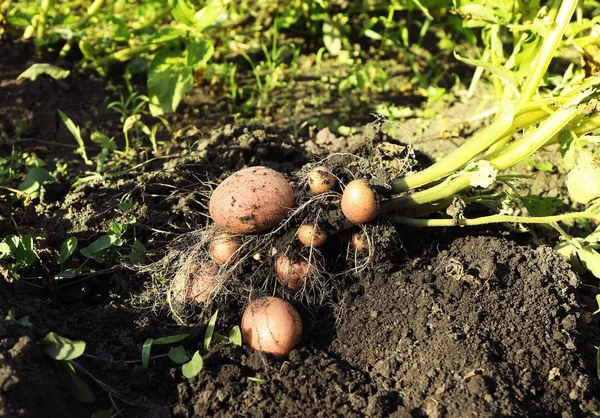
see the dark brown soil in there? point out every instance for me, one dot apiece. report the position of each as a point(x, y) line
point(448, 323)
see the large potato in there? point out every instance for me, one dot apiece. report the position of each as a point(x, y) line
point(252, 200)
point(271, 325)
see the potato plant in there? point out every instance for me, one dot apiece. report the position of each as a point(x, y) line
point(283, 229)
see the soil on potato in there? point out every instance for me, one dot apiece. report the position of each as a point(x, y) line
point(449, 323)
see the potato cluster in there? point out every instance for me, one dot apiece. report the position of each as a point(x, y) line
point(259, 200)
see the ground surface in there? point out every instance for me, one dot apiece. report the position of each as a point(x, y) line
point(448, 323)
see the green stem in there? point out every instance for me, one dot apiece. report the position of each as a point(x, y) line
point(43, 16)
point(496, 50)
point(546, 52)
point(125, 54)
point(490, 219)
point(500, 128)
point(504, 127)
point(503, 158)
point(516, 151)
point(92, 10)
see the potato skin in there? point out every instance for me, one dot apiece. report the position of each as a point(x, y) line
point(251, 200)
point(359, 202)
point(198, 286)
point(223, 249)
point(271, 325)
point(358, 241)
point(320, 180)
point(310, 235)
point(292, 274)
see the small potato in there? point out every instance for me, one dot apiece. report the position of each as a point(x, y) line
point(252, 200)
point(358, 241)
point(320, 180)
point(271, 325)
point(311, 236)
point(359, 202)
point(224, 248)
point(198, 286)
point(292, 274)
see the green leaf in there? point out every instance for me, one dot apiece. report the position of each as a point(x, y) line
point(117, 230)
point(332, 37)
point(104, 140)
point(101, 244)
point(68, 273)
point(169, 78)
point(24, 321)
point(220, 338)
point(193, 367)
point(498, 70)
point(125, 206)
point(138, 252)
point(33, 181)
point(597, 302)
point(568, 249)
point(146, 352)
point(198, 53)
point(210, 329)
point(590, 259)
point(183, 11)
point(593, 238)
point(178, 355)
point(207, 16)
point(131, 121)
point(38, 69)
point(170, 339)
point(67, 249)
point(61, 348)
point(235, 336)
point(79, 389)
point(486, 13)
point(76, 132)
point(5, 250)
point(165, 35)
point(583, 181)
point(541, 206)
point(25, 250)
point(598, 363)
point(21, 249)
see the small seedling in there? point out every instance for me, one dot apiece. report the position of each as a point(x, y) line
point(64, 351)
point(24, 321)
point(159, 341)
point(210, 329)
point(19, 249)
point(100, 249)
point(581, 252)
point(235, 337)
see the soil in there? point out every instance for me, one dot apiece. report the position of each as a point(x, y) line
point(446, 323)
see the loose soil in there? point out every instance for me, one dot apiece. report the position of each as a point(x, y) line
point(447, 323)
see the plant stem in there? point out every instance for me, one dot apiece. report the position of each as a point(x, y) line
point(42, 18)
point(125, 54)
point(503, 158)
point(92, 10)
point(503, 128)
point(490, 219)
point(546, 52)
